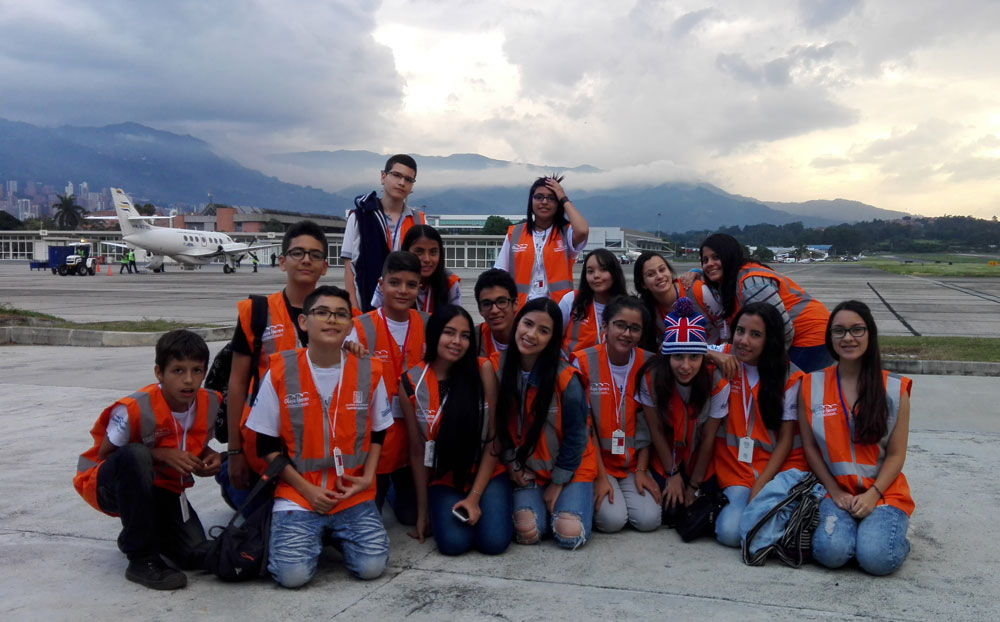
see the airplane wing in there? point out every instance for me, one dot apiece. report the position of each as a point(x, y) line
point(233, 249)
point(130, 218)
point(237, 247)
point(115, 244)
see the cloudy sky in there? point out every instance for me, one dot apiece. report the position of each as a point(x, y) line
point(896, 104)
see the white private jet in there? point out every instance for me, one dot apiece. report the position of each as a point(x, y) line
point(187, 247)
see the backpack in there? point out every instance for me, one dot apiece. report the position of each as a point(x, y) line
point(800, 511)
point(239, 550)
point(217, 377)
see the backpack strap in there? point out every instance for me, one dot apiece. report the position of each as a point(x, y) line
point(258, 323)
point(265, 481)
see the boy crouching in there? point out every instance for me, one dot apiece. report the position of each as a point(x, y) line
point(328, 411)
point(147, 447)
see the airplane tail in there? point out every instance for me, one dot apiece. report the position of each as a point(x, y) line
point(127, 213)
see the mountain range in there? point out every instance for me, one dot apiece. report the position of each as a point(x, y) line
point(167, 168)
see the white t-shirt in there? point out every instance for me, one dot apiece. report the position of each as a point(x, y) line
point(718, 406)
point(539, 282)
point(566, 306)
point(790, 405)
point(351, 246)
point(265, 415)
point(118, 431)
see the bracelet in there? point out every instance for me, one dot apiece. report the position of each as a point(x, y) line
point(641, 470)
point(693, 485)
point(474, 491)
point(234, 452)
point(881, 496)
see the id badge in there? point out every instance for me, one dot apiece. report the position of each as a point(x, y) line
point(185, 508)
point(746, 450)
point(397, 412)
point(338, 461)
point(618, 443)
point(429, 454)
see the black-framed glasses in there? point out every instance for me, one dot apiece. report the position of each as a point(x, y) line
point(500, 303)
point(298, 253)
point(401, 177)
point(323, 314)
point(857, 331)
point(625, 327)
point(538, 196)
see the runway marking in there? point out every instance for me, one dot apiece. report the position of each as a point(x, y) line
point(893, 311)
point(959, 288)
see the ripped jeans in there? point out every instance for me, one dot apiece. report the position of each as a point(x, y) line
point(878, 541)
point(575, 500)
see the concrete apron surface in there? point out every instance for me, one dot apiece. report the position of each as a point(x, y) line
point(60, 560)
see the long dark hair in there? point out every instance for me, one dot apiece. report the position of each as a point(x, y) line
point(438, 280)
point(585, 293)
point(733, 256)
point(871, 412)
point(653, 329)
point(545, 369)
point(458, 445)
point(773, 363)
point(662, 382)
point(559, 220)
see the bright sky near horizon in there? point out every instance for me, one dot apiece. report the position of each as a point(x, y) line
point(896, 104)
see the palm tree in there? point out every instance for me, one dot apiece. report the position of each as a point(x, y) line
point(67, 213)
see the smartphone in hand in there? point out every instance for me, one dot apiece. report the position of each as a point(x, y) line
point(460, 514)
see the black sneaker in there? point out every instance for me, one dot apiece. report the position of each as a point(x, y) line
point(154, 574)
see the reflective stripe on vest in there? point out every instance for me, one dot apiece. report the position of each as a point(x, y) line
point(573, 340)
point(553, 287)
point(551, 421)
point(296, 413)
point(597, 401)
point(893, 387)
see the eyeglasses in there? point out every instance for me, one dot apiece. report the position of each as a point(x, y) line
point(839, 332)
point(401, 177)
point(625, 327)
point(298, 253)
point(538, 196)
point(339, 317)
point(500, 303)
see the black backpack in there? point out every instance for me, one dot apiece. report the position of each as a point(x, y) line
point(239, 550)
point(217, 377)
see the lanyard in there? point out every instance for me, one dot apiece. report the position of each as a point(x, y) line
point(427, 411)
point(394, 235)
point(843, 405)
point(620, 400)
point(428, 296)
point(182, 438)
point(332, 421)
point(747, 397)
point(597, 325)
point(397, 354)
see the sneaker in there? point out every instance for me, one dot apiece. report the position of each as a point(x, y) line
point(154, 574)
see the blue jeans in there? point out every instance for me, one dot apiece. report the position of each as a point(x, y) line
point(493, 532)
point(576, 499)
point(727, 525)
point(878, 541)
point(773, 493)
point(810, 358)
point(296, 543)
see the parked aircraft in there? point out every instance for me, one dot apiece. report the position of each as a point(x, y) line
point(187, 247)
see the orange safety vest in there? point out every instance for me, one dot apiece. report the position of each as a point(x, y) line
point(427, 404)
point(584, 333)
point(408, 222)
point(854, 466)
point(556, 257)
point(698, 293)
point(279, 335)
point(732, 472)
point(543, 459)
point(809, 316)
point(151, 423)
point(306, 429)
point(687, 425)
point(486, 345)
point(373, 334)
point(602, 393)
point(427, 306)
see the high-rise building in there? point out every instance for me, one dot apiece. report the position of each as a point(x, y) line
point(11, 187)
point(69, 189)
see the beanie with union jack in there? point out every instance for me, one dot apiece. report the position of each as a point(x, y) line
point(686, 330)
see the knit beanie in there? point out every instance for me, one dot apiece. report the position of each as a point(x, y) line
point(686, 330)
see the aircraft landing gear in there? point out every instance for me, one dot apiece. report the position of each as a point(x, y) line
point(226, 269)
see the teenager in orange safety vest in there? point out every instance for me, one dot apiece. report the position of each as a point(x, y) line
point(438, 285)
point(394, 334)
point(327, 410)
point(855, 422)
point(496, 297)
point(624, 492)
point(376, 227)
point(463, 492)
point(146, 448)
point(303, 260)
point(658, 287)
point(687, 402)
point(760, 436)
point(601, 280)
point(543, 431)
point(740, 281)
point(539, 253)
